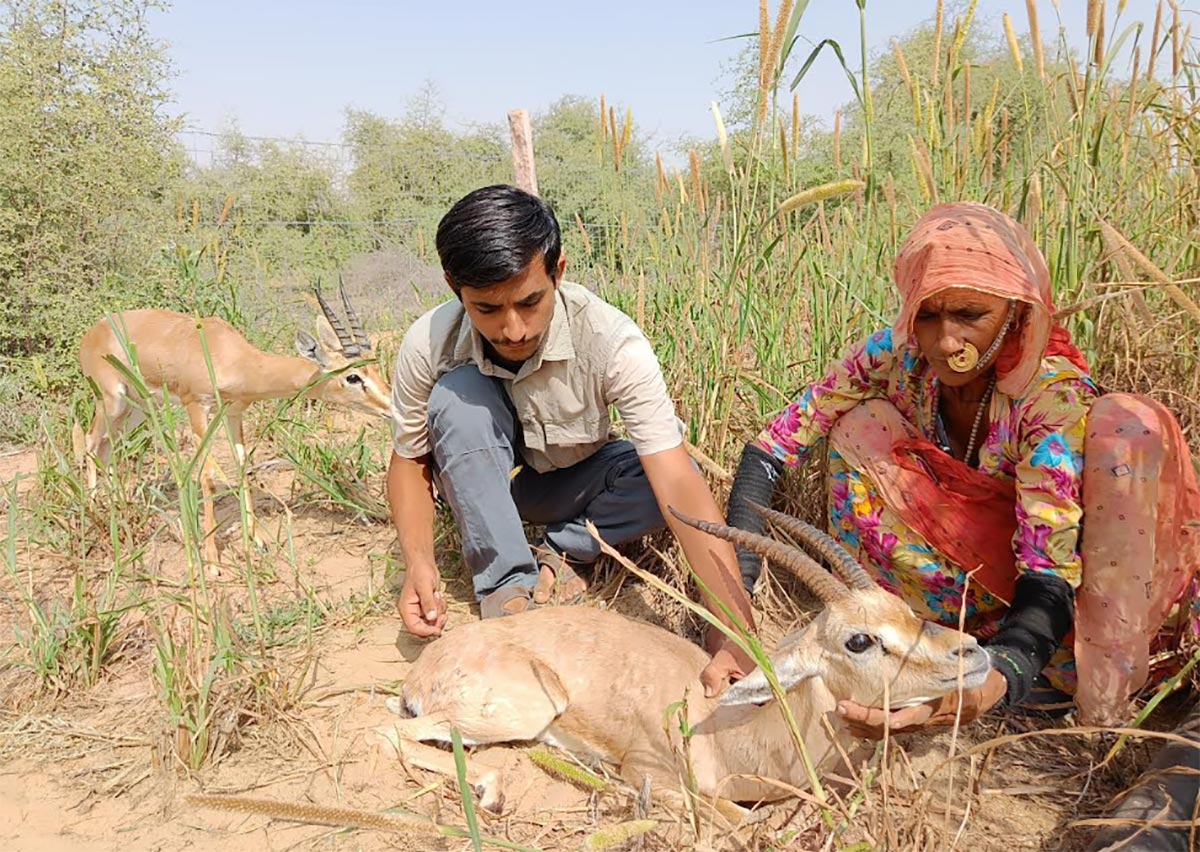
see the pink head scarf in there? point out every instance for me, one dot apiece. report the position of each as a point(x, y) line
point(977, 247)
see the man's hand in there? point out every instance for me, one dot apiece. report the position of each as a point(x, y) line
point(870, 722)
point(421, 605)
point(728, 661)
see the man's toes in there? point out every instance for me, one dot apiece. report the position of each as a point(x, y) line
point(544, 587)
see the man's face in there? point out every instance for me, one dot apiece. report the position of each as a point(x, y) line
point(514, 315)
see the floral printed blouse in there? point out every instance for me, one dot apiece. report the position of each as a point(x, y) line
point(1035, 440)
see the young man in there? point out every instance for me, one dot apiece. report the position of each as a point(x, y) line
point(501, 398)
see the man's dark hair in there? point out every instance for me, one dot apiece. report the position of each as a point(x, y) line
point(493, 233)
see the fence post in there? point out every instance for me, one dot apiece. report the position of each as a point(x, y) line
point(522, 150)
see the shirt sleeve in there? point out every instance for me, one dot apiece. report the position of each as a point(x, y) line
point(861, 374)
point(411, 385)
point(633, 382)
point(1049, 480)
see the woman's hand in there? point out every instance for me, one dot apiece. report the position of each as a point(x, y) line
point(728, 661)
point(870, 722)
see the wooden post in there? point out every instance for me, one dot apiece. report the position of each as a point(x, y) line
point(522, 150)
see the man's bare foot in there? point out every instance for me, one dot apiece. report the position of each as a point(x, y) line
point(556, 575)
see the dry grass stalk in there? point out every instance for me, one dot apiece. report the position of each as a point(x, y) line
point(781, 19)
point(967, 99)
point(660, 183)
point(603, 124)
point(837, 141)
point(1035, 35)
point(1133, 86)
point(1117, 242)
point(694, 169)
point(315, 814)
point(902, 64)
point(1098, 56)
point(723, 139)
point(939, 22)
point(612, 128)
point(587, 243)
point(1014, 48)
point(795, 122)
point(1092, 15)
point(641, 299)
point(1176, 47)
point(567, 770)
point(764, 51)
point(615, 835)
point(823, 192)
point(1158, 15)
point(783, 149)
point(960, 35)
point(627, 129)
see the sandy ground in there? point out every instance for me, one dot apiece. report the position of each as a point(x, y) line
point(89, 770)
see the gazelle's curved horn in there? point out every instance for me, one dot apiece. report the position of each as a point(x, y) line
point(356, 328)
point(823, 544)
point(349, 347)
point(823, 584)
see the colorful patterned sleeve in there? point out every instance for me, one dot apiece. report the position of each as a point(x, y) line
point(1050, 478)
point(861, 374)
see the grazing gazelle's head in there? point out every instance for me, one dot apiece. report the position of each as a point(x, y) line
point(865, 643)
point(349, 374)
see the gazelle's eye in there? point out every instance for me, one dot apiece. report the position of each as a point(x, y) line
point(353, 379)
point(859, 642)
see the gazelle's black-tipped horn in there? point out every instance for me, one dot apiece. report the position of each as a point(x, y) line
point(823, 544)
point(823, 584)
point(349, 348)
point(356, 328)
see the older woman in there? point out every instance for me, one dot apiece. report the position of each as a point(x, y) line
point(957, 446)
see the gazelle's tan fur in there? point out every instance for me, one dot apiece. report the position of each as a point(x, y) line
point(174, 352)
point(597, 683)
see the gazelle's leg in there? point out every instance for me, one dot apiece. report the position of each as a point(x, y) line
point(402, 739)
point(198, 417)
point(532, 698)
point(245, 496)
point(112, 410)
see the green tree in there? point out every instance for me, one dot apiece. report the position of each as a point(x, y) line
point(86, 158)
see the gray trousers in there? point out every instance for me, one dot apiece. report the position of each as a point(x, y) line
point(477, 441)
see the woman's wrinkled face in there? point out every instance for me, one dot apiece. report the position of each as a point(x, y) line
point(947, 321)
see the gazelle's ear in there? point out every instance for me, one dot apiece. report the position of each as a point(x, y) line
point(792, 667)
point(327, 336)
point(308, 348)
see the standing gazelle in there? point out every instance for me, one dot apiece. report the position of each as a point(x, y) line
point(174, 352)
point(597, 683)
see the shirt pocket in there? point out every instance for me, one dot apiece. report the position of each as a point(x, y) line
point(569, 442)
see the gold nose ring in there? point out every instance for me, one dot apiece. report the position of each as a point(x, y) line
point(965, 359)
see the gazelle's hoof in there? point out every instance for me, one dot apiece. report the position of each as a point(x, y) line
point(490, 793)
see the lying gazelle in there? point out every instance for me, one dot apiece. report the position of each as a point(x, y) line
point(173, 353)
point(596, 683)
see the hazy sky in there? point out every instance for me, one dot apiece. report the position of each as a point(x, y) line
point(291, 69)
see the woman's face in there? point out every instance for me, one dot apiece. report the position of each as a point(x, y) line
point(948, 320)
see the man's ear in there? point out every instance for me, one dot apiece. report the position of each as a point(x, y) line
point(791, 668)
point(560, 268)
point(454, 288)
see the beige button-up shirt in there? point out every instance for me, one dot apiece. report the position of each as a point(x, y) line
point(594, 357)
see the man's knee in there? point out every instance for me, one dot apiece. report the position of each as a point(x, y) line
point(469, 411)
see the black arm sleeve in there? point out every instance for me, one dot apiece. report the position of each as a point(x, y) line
point(754, 482)
point(1042, 612)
